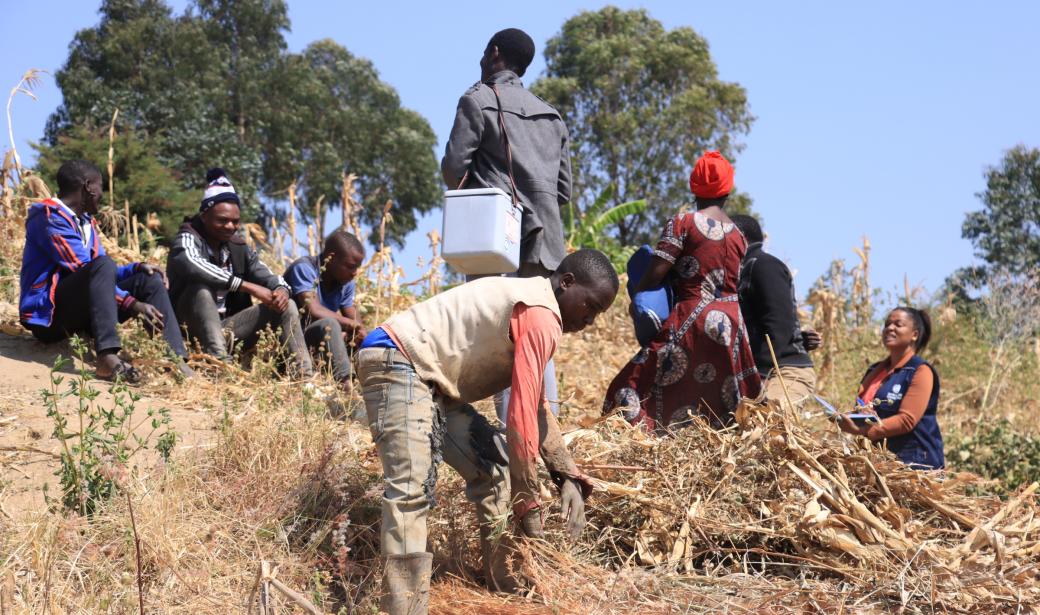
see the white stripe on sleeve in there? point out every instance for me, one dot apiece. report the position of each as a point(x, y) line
point(218, 274)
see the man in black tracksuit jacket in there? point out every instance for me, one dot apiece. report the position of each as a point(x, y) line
point(214, 277)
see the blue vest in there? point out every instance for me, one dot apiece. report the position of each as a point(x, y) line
point(922, 448)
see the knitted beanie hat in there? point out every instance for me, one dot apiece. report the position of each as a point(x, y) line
point(218, 190)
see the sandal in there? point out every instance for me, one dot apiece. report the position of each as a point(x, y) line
point(123, 372)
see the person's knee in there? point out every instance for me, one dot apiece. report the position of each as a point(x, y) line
point(195, 301)
point(102, 264)
point(330, 327)
point(198, 292)
point(290, 316)
point(153, 282)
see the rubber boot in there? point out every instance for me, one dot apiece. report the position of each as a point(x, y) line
point(406, 584)
point(496, 562)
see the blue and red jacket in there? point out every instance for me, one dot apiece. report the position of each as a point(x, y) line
point(54, 248)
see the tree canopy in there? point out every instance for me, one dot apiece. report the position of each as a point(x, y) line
point(216, 86)
point(642, 103)
point(1006, 231)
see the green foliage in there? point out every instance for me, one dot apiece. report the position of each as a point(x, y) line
point(999, 451)
point(642, 103)
point(588, 229)
point(216, 86)
point(1006, 232)
point(96, 451)
point(140, 177)
point(345, 114)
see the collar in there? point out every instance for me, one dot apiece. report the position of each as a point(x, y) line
point(899, 364)
point(83, 218)
point(504, 76)
point(754, 247)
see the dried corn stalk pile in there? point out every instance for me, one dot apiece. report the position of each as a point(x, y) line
point(770, 499)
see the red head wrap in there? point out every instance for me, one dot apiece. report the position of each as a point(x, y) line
point(712, 176)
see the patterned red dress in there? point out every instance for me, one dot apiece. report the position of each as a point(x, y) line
point(700, 361)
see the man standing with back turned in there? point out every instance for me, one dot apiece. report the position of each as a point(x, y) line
point(770, 308)
point(536, 161)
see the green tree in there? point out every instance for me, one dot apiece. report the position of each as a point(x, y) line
point(642, 103)
point(1006, 231)
point(216, 86)
point(352, 117)
point(140, 177)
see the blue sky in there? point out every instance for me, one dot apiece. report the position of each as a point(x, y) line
point(874, 119)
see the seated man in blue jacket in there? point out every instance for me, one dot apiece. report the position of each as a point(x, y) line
point(69, 285)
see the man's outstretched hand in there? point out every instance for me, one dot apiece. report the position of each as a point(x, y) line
point(148, 313)
point(573, 508)
point(811, 339)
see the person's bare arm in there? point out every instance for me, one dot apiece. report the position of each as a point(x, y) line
point(309, 303)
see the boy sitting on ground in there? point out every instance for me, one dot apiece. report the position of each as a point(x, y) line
point(69, 284)
point(323, 288)
point(214, 276)
point(419, 373)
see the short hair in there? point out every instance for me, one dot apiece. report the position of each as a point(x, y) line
point(749, 226)
point(922, 324)
point(515, 47)
point(703, 203)
point(341, 242)
point(73, 174)
point(590, 268)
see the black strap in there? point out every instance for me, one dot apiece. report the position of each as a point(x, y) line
point(505, 143)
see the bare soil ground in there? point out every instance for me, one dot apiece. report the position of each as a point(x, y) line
point(28, 450)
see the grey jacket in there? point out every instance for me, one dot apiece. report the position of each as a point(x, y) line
point(541, 161)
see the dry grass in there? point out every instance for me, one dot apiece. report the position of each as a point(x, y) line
point(778, 514)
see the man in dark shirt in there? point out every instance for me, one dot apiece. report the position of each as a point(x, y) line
point(769, 306)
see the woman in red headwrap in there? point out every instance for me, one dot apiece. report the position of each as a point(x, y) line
point(700, 362)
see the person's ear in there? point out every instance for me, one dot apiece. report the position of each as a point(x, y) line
point(567, 280)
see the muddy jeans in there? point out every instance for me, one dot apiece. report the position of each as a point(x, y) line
point(413, 431)
point(800, 381)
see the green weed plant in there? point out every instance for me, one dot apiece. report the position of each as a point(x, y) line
point(100, 441)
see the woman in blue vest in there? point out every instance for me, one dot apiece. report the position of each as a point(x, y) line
point(904, 392)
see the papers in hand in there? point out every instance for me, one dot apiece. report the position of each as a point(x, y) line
point(860, 418)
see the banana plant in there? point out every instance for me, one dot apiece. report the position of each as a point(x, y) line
point(589, 229)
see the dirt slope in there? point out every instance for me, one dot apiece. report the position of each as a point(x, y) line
point(28, 451)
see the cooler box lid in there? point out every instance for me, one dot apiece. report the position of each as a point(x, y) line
point(474, 192)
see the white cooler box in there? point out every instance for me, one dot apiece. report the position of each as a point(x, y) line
point(481, 231)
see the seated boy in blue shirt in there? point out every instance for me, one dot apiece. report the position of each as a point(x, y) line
point(323, 288)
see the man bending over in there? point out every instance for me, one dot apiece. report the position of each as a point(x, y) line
point(419, 373)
